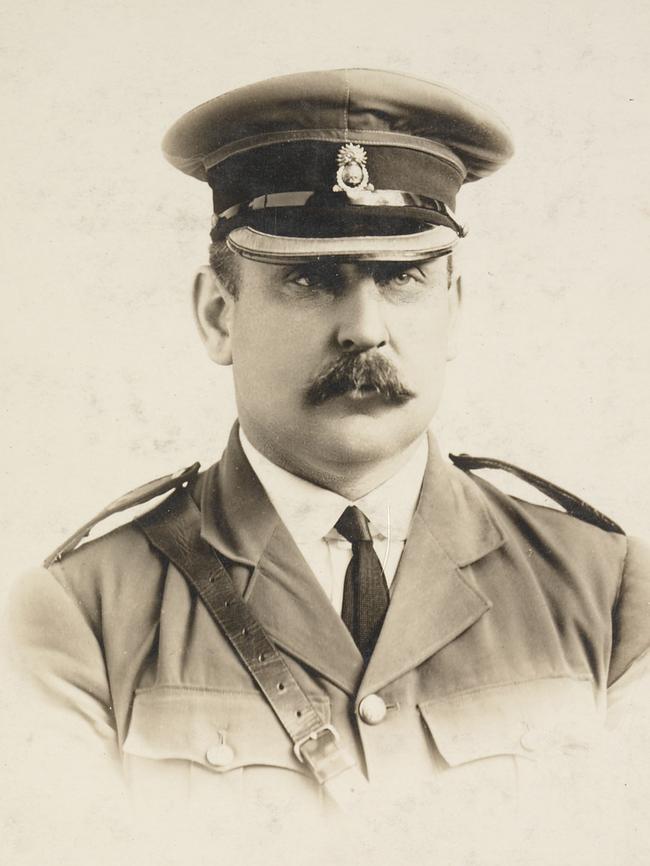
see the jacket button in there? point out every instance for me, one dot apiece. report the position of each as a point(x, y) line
point(372, 710)
point(220, 755)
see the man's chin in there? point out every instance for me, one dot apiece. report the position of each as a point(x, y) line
point(373, 431)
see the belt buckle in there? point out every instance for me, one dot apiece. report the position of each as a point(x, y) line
point(315, 736)
point(323, 754)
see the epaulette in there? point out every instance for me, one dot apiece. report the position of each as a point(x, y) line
point(138, 496)
point(572, 504)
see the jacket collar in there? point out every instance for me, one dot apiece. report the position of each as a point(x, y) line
point(310, 512)
point(455, 511)
point(239, 521)
point(435, 597)
point(237, 518)
point(433, 600)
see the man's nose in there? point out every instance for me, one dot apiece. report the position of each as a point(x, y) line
point(361, 320)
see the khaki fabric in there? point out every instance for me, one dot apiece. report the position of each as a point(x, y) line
point(507, 623)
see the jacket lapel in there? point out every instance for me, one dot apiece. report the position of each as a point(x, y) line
point(239, 521)
point(291, 605)
point(434, 599)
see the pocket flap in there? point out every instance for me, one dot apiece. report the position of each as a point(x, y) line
point(528, 718)
point(219, 730)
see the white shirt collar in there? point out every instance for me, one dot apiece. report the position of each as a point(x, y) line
point(309, 512)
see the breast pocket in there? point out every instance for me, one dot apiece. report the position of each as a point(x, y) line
point(503, 737)
point(212, 744)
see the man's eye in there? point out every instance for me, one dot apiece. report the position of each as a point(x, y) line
point(307, 281)
point(402, 279)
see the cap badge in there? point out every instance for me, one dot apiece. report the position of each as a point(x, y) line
point(352, 174)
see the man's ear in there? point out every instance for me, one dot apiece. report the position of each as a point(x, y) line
point(213, 312)
point(454, 300)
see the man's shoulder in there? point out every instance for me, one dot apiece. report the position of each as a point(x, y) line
point(101, 596)
point(138, 496)
point(546, 518)
point(110, 552)
point(118, 562)
point(571, 504)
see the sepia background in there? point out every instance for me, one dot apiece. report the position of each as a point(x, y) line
point(105, 382)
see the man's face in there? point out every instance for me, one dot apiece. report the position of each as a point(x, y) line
point(337, 363)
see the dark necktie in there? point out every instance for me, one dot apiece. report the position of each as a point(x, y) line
point(365, 591)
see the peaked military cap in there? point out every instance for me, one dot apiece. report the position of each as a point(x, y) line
point(352, 163)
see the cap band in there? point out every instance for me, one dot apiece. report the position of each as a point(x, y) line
point(308, 165)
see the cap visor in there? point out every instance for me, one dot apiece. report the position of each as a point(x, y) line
point(278, 249)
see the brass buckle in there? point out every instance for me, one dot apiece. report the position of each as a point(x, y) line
point(325, 757)
point(315, 735)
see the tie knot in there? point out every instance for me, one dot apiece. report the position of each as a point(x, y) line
point(353, 525)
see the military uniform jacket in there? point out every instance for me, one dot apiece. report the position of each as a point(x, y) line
point(508, 624)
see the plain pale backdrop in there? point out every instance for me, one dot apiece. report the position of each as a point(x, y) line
point(106, 384)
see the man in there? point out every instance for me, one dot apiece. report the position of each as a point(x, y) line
point(334, 614)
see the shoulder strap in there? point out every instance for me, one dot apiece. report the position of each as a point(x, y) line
point(174, 529)
point(572, 504)
point(135, 497)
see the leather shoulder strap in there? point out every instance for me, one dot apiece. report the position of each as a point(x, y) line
point(174, 529)
point(135, 497)
point(572, 504)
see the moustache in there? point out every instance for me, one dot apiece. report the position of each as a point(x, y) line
point(359, 372)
